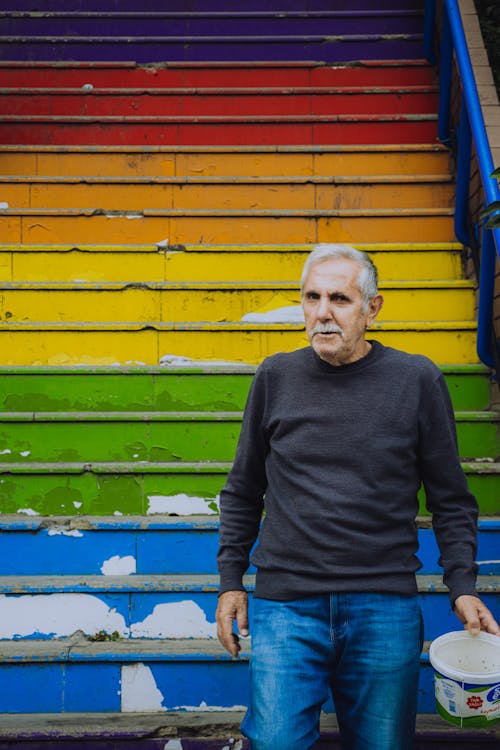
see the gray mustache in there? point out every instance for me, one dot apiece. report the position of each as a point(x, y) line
point(326, 328)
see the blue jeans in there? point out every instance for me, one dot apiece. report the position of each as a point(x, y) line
point(364, 648)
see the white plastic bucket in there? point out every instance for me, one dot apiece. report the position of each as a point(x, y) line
point(467, 678)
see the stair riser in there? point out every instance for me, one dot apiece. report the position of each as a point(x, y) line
point(146, 51)
point(159, 390)
point(88, 493)
point(245, 161)
point(232, 195)
point(245, 344)
point(113, 75)
point(200, 6)
point(202, 305)
point(66, 688)
point(224, 104)
point(137, 229)
point(88, 264)
point(58, 552)
point(189, 25)
point(142, 440)
point(154, 615)
point(202, 134)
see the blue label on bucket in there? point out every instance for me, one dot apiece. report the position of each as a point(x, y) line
point(494, 694)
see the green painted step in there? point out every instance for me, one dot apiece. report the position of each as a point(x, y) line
point(140, 488)
point(192, 388)
point(169, 436)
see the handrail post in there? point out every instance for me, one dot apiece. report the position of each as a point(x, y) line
point(445, 74)
point(464, 144)
point(485, 335)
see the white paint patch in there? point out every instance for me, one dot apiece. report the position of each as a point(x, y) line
point(172, 360)
point(233, 745)
point(135, 362)
point(119, 566)
point(25, 453)
point(77, 505)
point(139, 689)
point(5, 452)
point(173, 745)
point(4, 205)
point(118, 513)
point(162, 243)
point(175, 620)
point(28, 512)
point(57, 615)
point(182, 505)
point(62, 530)
point(288, 314)
point(204, 707)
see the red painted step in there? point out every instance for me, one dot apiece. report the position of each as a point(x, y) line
point(203, 131)
point(218, 101)
point(115, 75)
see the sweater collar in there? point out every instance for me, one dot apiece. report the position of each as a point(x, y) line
point(373, 354)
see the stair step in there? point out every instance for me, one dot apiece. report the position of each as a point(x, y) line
point(237, 22)
point(64, 344)
point(212, 263)
point(221, 226)
point(217, 301)
point(186, 488)
point(259, 161)
point(168, 436)
point(198, 6)
point(187, 192)
point(231, 73)
point(197, 668)
point(176, 386)
point(195, 730)
point(218, 101)
point(213, 130)
point(146, 49)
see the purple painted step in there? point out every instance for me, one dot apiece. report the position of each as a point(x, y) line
point(211, 24)
point(181, 49)
point(202, 6)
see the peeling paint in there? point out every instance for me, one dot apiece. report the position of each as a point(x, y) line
point(25, 453)
point(233, 745)
point(57, 615)
point(77, 505)
point(119, 566)
point(173, 745)
point(62, 530)
point(139, 690)
point(182, 505)
point(5, 452)
point(205, 707)
point(287, 314)
point(28, 512)
point(175, 620)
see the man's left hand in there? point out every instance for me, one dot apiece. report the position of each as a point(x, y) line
point(475, 615)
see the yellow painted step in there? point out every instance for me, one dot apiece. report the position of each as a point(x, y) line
point(223, 160)
point(293, 192)
point(152, 226)
point(212, 262)
point(219, 301)
point(31, 344)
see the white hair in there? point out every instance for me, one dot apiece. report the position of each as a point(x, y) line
point(368, 276)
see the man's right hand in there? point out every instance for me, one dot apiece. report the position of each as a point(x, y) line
point(233, 605)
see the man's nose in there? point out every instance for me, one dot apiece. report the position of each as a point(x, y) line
point(324, 309)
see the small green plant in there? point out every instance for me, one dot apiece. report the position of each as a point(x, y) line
point(103, 636)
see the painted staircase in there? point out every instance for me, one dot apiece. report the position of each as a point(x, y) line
point(156, 219)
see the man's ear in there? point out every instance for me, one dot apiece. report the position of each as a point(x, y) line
point(374, 307)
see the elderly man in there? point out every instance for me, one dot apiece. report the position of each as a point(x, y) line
point(335, 441)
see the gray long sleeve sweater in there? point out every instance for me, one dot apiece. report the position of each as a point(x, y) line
point(336, 455)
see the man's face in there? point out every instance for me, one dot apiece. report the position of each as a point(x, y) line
point(333, 311)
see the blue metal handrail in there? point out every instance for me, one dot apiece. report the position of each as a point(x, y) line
point(471, 129)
